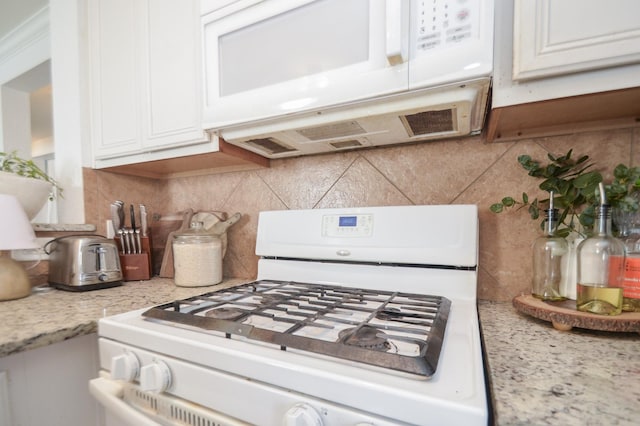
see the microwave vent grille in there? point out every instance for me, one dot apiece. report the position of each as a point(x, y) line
point(334, 130)
point(270, 145)
point(351, 143)
point(428, 122)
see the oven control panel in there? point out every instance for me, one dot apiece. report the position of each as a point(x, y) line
point(350, 225)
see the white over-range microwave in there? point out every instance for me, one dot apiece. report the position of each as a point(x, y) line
point(293, 77)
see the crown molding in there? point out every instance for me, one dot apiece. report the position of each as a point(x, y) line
point(32, 31)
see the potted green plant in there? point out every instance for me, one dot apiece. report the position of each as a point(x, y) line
point(27, 182)
point(575, 184)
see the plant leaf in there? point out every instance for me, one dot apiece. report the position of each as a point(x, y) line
point(496, 208)
point(621, 172)
point(508, 201)
point(587, 179)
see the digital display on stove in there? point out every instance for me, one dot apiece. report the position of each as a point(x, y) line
point(348, 221)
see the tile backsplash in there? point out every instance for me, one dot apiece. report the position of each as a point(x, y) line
point(464, 171)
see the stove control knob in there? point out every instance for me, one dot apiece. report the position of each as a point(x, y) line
point(155, 377)
point(302, 415)
point(125, 367)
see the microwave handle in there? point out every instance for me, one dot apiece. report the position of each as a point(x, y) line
point(396, 33)
point(109, 394)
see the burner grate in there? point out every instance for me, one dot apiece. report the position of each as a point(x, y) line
point(399, 331)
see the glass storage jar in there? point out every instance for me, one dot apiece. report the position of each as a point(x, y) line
point(197, 258)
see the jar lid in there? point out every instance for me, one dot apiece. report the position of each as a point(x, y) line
point(196, 233)
point(194, 239)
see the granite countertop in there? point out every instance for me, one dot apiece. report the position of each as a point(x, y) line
point(537, 375)
point(542, 376)
point(64, 227)
point(51, 316)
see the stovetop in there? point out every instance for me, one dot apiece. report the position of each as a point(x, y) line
point(395, 330)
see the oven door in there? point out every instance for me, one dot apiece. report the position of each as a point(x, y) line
point(126, 404)
point(116, 411)
point(197, 395)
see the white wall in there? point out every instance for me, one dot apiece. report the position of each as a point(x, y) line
point(26, 47)
point(55, 33)
point(68, 43)
point(15, 122)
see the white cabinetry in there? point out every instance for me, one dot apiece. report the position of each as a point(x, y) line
point(49, 385)
point(559, 37)
point(145, 80)
point(564, 66)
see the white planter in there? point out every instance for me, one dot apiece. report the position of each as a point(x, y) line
point(31, 193)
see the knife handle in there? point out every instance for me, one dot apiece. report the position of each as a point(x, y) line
point(115, 217)
point(132, 213)
point(143, 220)
point(125, 239)
point(121, 235)
point(138, 241)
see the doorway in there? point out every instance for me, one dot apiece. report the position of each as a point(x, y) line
point(26, 124)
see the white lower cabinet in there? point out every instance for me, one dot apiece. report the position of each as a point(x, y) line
point(145, 80)
point(49, 385)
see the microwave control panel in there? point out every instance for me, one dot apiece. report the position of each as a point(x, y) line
point(441, 23)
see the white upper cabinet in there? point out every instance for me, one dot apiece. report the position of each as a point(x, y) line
point(563, 66)
point(558, 37)
point(145, 78)
point(547, 49)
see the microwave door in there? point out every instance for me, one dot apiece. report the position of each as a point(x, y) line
point(277, 58)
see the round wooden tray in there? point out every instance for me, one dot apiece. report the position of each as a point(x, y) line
point(564, 315)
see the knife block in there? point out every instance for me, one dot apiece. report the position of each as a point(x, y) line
point(136, 266)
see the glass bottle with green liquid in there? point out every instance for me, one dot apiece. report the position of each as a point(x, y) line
point(601, 259)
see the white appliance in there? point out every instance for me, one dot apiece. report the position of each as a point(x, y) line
point(359, 316)
point(294, 77)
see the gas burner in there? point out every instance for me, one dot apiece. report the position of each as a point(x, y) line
point(365, 337)
point(225, 313)
point(324, 319)
point(271, 299)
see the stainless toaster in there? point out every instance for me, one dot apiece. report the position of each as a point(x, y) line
point(83, 262)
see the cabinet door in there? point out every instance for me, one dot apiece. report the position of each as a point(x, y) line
point(114, 84)
point(49, 385)
point(560, 37)
point(172, 73)
point(145, 76)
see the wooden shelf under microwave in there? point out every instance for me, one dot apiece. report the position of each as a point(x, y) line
point(596, 111)
point(229, 158)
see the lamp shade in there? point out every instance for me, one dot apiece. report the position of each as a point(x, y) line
point(16, 231)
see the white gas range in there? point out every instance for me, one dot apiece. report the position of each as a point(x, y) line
point(358, 316)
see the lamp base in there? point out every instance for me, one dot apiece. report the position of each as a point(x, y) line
point(14, 281)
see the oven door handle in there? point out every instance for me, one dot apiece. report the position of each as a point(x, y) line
point(109, 394)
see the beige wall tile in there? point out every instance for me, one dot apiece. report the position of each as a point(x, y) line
point(435, 172)
point(362, 185)
point(107, 187)
point(465, 171)
point(201, 193)
point(250, 197)
point(302, 182)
